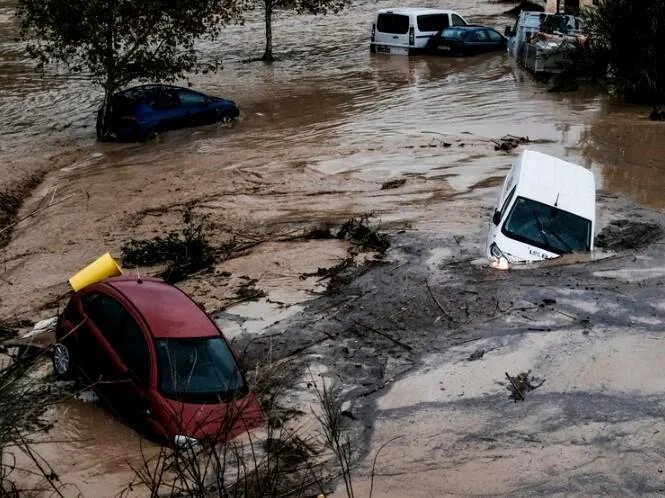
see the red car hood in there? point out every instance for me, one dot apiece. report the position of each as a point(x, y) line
point(210, 422)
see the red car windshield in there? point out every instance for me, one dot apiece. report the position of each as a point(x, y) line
point(199, 370)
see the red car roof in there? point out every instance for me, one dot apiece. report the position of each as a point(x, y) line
point(169, 312)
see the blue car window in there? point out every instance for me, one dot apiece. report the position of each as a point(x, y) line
point(479, 36)
point(188, 98)
point(494, 35)
point(162, 99)
point(453, 33)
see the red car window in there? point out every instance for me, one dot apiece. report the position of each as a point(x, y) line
point(122, 331)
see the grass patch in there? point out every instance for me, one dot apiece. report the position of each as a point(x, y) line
point(185, 251)
point(11, 200)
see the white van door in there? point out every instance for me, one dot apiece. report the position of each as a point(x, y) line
point(391, 32)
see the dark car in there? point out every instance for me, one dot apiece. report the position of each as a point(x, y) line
point(156, 359)
point(139, 112)
point(466, 40)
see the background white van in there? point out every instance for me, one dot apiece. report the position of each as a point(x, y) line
point(406, 31)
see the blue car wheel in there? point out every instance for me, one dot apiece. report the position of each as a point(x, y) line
point(226, 115)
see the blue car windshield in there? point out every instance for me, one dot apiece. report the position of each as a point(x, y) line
point(454, 33)
point(198, 370)
point(547, 227)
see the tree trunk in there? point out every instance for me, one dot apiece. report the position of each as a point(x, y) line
point(267, 55)
point(104, 116)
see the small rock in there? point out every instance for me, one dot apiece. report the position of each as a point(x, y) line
point(476, 355)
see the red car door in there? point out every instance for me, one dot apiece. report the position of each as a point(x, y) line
point(114, 355)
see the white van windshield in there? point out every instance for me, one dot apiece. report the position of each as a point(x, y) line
point(393, 23)
point(433, 22)
point(547, 227)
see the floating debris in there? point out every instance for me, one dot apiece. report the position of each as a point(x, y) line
point(393, 184)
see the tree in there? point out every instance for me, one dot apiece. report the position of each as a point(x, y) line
point(301, 7)
point(115, 42)
point(625, 47)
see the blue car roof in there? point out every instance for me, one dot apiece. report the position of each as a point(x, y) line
point(468, 27)
point(139, 91)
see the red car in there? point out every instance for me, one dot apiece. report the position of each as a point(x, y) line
point(156, 359)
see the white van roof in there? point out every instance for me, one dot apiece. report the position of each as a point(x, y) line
point(415, 10)
point(551, 180)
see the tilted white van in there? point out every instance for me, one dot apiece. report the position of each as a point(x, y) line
point(546, 208)
point(404, 31)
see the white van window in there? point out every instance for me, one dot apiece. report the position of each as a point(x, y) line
point(458, 21)
point(433, 22)
point(393, 23)
point(547, 227)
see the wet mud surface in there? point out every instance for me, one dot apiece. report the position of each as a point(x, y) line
point(330, 133)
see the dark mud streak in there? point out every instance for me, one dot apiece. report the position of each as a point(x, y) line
point(394, 298)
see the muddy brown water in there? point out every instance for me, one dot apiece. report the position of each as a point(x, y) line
point(330, 118)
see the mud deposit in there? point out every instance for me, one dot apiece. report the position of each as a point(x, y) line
point(330, 133)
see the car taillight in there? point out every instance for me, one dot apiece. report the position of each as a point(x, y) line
point(373, 32)
point(412, 36)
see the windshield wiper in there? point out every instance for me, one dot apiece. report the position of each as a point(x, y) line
point(558, 237)
point(542, 228)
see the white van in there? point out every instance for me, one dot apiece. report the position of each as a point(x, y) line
point(547, 208)
point(406, 31)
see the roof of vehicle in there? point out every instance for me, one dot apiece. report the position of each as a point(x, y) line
point(415, 10)
point(168, 311)
point(469, 27)
point(551, 180)
point(140, 90)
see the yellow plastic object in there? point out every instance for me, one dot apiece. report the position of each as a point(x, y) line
point(103, 267)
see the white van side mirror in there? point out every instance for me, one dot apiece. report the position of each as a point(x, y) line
point(508, 32)
point(497, 217)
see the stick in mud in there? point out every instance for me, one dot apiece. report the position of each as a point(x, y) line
point(517, 391)
point(437, 301)
point(384, 334)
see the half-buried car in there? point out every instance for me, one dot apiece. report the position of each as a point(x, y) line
point(142, 111)
point(156, 359)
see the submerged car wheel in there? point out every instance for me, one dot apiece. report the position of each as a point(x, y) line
point(63, 361)
point(226, 116)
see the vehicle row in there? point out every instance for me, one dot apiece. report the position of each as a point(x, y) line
point(410, 31)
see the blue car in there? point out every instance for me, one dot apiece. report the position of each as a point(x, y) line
point(139, 112)
point(459, 41)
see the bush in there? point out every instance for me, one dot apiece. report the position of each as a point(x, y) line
point(625, 40)
point(185, 251)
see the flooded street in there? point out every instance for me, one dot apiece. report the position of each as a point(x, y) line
point(320, 131)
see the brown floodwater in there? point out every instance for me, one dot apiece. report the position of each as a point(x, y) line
point(326, 109)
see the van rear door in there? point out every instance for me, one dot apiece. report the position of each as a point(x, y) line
point(391, 29)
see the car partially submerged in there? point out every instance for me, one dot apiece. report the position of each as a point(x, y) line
point(156, 359)
point(460, 41)
point(546, 208)
point(141, 111)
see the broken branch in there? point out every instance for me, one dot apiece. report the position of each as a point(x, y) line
point(517, 391)
point(447, 315)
